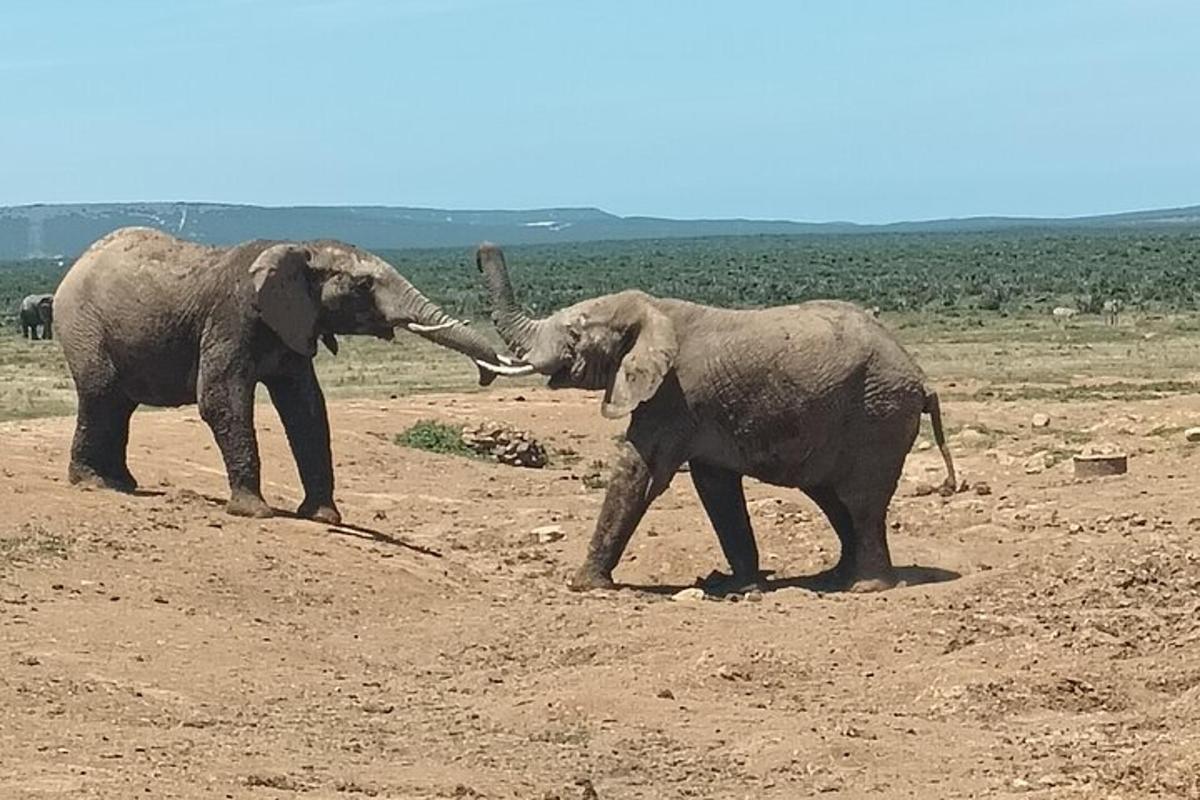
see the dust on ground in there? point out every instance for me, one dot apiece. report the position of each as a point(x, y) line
point(1047, 645)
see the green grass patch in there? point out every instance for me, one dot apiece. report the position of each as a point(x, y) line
point(435, 437)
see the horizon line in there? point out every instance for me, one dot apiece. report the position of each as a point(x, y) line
point(533, 209)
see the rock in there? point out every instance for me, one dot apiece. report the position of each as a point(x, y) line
point(665, 694)
point(969, 437)
point(1037, 462)
point(548, 533)
point(1192, 434)
point(924, 489)
point(690, 595)
point(505, 444)
point(1098, 465)
point(924, 445)
point(1040, 420)
point(982, 489)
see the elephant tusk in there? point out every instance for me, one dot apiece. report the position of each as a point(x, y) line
point(417, 327)
point(506, 369)
point(510, 362)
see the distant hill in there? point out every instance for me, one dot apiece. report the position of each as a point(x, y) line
point(65, 230)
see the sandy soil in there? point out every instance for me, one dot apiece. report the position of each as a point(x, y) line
point(151, 646)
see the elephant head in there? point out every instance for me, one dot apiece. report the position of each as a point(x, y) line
point(45, 307)
point(305, 291)
point(621, 343)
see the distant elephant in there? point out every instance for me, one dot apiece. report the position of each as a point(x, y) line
point(37, 310)
point(816, 396)
point(145, 318)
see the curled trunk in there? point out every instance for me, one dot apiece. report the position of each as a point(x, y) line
point(515, 326)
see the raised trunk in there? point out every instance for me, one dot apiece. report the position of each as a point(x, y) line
point(515, 326)
point(405, 306)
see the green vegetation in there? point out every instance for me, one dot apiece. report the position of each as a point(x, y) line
point(435, 437)
point(951, 274)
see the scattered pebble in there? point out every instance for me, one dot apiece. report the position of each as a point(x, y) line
point(692, 594)
point(548, 533)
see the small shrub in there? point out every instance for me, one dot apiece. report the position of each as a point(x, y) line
point(435, 437)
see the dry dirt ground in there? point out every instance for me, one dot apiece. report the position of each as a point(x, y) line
point(1048, 645)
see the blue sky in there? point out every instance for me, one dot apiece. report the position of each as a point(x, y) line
point(862, 110)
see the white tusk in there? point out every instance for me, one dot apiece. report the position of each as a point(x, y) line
point(416, 327)
point(506, 369)
point(511, 362)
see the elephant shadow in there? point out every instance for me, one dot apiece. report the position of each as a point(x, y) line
point(370, 534)
point(341, 528)
point(825, 582)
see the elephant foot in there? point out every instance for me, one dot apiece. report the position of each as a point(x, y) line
point(865, 585)
point(88, 478)
point(847, 577)
point(588, 578)
point(719, 584)
point(244, 504)
point(325, 512)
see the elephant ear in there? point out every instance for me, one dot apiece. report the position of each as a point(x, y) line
point(284, 297)
point(645, 364)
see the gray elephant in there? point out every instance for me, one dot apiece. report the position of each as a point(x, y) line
point(145, 318)
point(816, 396)
point(37, 310)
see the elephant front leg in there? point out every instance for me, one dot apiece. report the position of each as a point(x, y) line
point(227, 406)
point(633, 485)
point(301, 407)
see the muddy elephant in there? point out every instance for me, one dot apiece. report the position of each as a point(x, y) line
point(145, 318)
point(37, 311)
point(816, 396)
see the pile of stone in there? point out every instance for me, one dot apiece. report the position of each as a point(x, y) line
point(506, 444)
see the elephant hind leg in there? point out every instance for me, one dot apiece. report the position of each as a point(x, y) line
point(859, 517)
point(872, 559)
point(843, 525)
point(101, 439)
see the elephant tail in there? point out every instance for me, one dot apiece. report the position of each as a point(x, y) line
point(933, 408)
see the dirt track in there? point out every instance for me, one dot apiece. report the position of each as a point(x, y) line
point(154, 647)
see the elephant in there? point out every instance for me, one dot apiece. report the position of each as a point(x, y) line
point(816, 396)
point(148, 319)
point(37, 310)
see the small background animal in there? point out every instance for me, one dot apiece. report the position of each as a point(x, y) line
point(1112, 311)
point(1063, 315)
point(37, 311)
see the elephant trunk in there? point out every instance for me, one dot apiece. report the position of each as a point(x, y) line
point(404, 306)
point(515, 326)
